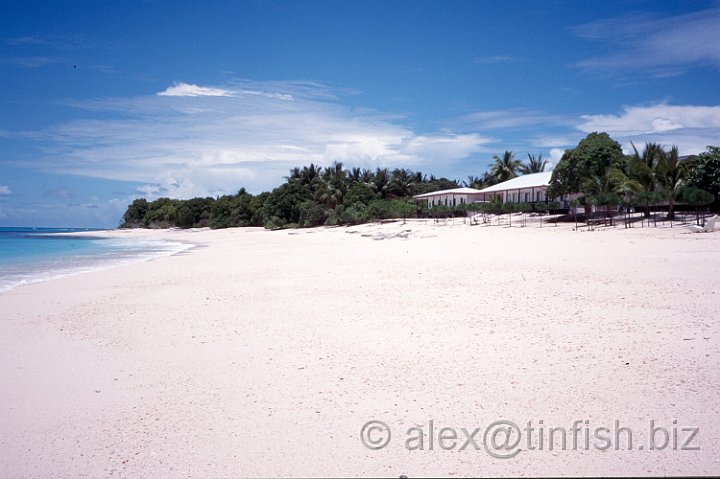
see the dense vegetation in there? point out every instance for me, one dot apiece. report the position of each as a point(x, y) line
point(310, 196)
point(313, 195)
point(606, 178)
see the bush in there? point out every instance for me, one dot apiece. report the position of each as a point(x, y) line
point(312, 214)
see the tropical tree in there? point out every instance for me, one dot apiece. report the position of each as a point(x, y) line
point(644, 168)
point(333, 185)
point(671, 176)
point(592, 157)
point(402, 182)
point(504, 168)
point(381, 182)
point(609, 189)
point(704, 172)
point(533, 165)
point(697, 198)
point(354, 175)
point(473, 182)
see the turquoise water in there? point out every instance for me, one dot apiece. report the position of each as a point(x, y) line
point(28, 255)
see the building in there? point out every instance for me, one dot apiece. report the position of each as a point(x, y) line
point(453, 197)
point(530, 188)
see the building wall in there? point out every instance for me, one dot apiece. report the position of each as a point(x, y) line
point(447, 200)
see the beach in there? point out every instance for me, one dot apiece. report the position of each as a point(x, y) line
point(264, 353)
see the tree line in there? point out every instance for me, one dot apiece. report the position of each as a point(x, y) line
point(313, 195)
point(607, 178)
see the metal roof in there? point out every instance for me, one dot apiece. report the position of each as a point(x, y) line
point(532, 180)
point(454, 191)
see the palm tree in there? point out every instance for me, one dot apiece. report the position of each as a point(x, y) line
point(473, 182)
point(534, 165)
point(671, 176)
point(294, 174)
point(354, 175)
point(643, 168)
point(381, 182)
point(333, 185)
point(367, 176)
point(609, 189)
point(504, 168)
point(402, 182)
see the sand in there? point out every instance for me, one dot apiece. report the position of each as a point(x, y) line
point(263, 353)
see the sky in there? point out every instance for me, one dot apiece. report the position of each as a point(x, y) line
point(104, 102)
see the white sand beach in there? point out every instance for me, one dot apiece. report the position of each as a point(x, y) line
point(263, 353)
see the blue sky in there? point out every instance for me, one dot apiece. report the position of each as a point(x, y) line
point(104, 102)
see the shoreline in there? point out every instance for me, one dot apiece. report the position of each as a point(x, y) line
point(263, 353)
point(58, 266)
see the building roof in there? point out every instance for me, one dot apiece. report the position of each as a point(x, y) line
point(454, 191)
point(533, 180)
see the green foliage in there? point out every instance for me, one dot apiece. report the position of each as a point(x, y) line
point(534, 165)
point(359, 193)
point(314, 195)
point(282, 206)
point(509, 207)
point(356, 213)
point(435, 184)
point(312, 214)
point(134, 216)
point(523, 207)
point(232, 210)
point(161, 213)
point(183, 216)
point(696, 197)
point(704, 170)
point(505, 168)
point(595, 154)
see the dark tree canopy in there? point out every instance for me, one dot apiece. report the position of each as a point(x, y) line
point(593, 156)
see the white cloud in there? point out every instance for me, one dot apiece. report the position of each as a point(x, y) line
point(187, 89)
point(691, 128)
point(510, 118)
point(5, 190)
point(665, 45)
point(658, 118)
point(555, 156)
point(29, 62)
point(205, 141)
point(494, 60)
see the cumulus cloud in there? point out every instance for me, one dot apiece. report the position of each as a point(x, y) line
point(690, 127)
point(5, 190)
point(555, 156)
point(658, 118)
point(196, 141)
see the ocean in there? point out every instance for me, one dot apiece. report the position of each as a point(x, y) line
point(29, 255)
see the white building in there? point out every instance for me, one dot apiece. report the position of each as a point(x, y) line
point(453, 197)
point(530, 188)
